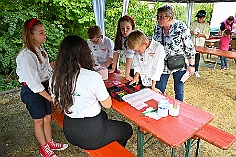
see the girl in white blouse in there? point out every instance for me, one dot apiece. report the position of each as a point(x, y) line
point(34, 71)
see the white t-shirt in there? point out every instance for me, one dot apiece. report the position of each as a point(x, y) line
point(202, 28)
point(89, 90)
point(103, 51)
point(31, 71)
point(151, 62)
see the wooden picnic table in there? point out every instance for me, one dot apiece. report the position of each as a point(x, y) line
point(212, 42)
point(173, 131)
point(216, 52)
point(215, 40)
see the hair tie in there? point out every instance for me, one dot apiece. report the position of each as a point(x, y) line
point(131, 19)
point(32, 21)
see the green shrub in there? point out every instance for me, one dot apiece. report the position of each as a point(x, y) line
point(62, 18)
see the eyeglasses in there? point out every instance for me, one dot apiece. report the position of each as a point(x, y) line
point(96, 40)
point(161, 17)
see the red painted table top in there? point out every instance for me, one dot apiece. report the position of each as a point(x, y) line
point(173, 131)
point(217, 52)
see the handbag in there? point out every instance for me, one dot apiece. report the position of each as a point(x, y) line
point(176, 62)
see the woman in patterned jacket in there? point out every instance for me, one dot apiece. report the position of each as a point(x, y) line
point(176, 39)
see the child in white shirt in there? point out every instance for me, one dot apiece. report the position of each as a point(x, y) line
point(101, 47)
point(148, 62)
point(125, 25)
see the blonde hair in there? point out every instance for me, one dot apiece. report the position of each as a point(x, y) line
point(135, 39)
point(94, 31)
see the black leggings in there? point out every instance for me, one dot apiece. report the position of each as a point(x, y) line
point(197, 60)
point(96, 132)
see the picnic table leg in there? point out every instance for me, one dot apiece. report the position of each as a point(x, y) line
point(173, 152)
point(140, 142)
point(216, 62)
point(203, 58)
point(188, 146)
point(198, 147)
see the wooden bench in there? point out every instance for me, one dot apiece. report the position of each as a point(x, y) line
point(113, 149)
point(214, 136)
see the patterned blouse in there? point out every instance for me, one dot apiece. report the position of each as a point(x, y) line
point(176, 41)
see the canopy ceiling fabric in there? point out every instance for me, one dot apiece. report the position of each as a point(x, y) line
point(125, 7)
point(99, 12)
point(99, 8)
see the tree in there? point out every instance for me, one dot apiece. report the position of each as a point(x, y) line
point(62, 18)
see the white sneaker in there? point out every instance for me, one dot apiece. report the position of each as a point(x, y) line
point(197, 74)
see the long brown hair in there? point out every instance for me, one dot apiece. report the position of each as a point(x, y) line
point(73, 53)
point(118, 31)
point(28, 28)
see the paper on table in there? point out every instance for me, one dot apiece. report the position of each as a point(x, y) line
point(138, 99)
point(151, 113)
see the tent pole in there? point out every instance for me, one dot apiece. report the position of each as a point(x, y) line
point(190, 7)
point(125, 7)
point(99, 13)
point(124, 12)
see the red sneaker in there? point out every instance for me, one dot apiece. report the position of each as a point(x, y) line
point(57, 146)
point(45, 151)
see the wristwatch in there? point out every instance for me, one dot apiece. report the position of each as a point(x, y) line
point(191, 65)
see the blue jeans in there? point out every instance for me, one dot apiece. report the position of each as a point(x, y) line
point(224, 62)
point(178, 85)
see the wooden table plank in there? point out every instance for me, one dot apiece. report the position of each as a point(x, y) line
point(217, 52)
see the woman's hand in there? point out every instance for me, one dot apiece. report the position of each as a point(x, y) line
point(191, 70)
point(192, 32)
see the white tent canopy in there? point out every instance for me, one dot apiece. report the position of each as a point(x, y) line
point(99, 8)
point(99, 12)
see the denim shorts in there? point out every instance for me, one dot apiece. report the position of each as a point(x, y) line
point(37, 105)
